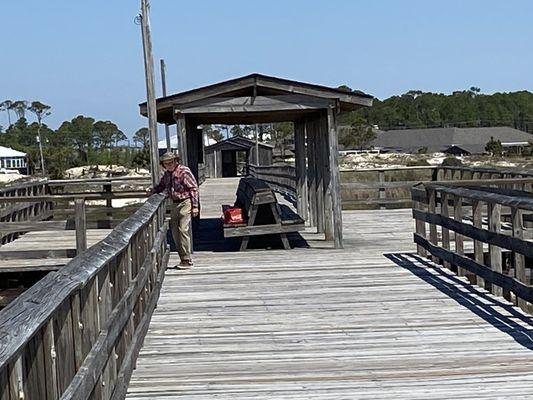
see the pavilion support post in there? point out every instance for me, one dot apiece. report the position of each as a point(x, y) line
point(319, 170)
point(335, 178)
point(218, 164)
point(181, 131)
point(329, 233)
point(301, 178)
point(193, 140)
point(311, 174)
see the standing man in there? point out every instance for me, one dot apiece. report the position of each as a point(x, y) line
point(181, 187)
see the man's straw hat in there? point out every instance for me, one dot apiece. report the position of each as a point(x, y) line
point(168, 156)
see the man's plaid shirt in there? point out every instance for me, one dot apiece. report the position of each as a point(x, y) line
point(179, 184)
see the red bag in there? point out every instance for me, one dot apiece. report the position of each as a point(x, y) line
point(233, 215)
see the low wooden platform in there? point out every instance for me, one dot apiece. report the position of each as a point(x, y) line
point(47, 247)
point(371, 321)
point(34, 254)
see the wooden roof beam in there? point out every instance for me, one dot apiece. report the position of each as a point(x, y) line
point(254, 104)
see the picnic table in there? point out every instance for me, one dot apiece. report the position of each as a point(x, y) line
point(262, 214)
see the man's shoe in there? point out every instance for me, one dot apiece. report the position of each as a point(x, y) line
point(185, 264)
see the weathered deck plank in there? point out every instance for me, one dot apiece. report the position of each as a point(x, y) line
point(371, 321)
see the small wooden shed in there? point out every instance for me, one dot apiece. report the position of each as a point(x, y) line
point(222, 159)
point(257, 98)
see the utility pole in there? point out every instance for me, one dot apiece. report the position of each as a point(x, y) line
point(150, 90)
point(164, 84)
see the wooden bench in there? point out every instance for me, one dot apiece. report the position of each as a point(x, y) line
point(262, 214)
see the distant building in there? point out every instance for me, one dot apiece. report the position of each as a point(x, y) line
point(12, 160)
point(451, 140)
point(231, 157)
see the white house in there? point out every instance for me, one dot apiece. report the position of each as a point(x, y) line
point(12, 159)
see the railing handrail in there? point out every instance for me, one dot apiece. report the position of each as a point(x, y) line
point(399, 168)
point(488, 170)
point(80, 195)
point(21, 185)
point(486, 195)
point(99, 181)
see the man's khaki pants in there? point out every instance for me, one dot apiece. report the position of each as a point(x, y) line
point(180, 221)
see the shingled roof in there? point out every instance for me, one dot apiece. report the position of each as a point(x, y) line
point(441, 139)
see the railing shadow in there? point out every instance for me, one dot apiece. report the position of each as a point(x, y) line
point(473, 298)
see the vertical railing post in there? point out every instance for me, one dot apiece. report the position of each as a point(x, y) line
point(459, 241)
point(50, 361)
point(435, 174)
point(431, 195)
point(519, 259)
point(81, 226)
point(420, 226)
point(444, 211)
point(108, 200)
point(381, 189)
point(495, 252)
point(477, 208)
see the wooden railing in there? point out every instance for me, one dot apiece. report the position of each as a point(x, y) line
point(76, 333)
point(469, 226)
point(381, 187)
point(29, 207)
point(32, 209)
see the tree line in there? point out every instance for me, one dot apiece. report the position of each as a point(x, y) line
point(84, 140)
point(80, 141)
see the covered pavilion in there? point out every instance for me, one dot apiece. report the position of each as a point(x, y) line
point(257, 98)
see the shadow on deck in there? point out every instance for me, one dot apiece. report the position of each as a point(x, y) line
point(208, 236)
point(496, 311)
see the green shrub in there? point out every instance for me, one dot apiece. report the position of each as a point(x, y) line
point(451, 162)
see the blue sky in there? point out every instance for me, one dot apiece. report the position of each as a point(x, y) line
point(85, 57)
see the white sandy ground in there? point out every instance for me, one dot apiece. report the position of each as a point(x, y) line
point(7, 178)
point(103, 171)
point(392, 160)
